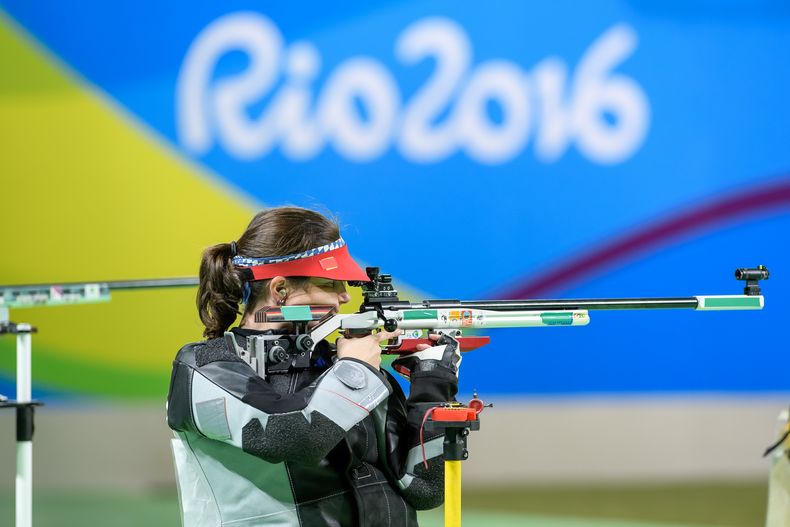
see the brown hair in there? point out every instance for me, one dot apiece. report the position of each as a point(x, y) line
point(272, 232)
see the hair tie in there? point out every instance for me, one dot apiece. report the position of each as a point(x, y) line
point(233, 248)
point(246, 293)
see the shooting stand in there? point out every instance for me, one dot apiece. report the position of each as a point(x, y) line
point(456, 421)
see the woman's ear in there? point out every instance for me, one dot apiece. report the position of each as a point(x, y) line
point(278, 289)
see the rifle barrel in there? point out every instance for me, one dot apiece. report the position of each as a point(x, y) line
point(571, 304)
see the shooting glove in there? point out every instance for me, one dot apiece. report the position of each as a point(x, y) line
point(445, 356)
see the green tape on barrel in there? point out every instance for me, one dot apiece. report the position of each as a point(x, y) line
point(417, 314)
point(731, 302)
point(296, 313)
point(557, 319)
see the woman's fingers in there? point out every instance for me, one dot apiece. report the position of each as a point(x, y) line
point(387, 335)
point(434, 337)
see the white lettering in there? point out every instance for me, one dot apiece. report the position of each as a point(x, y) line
point(420, 139)
point(364, 81)
point(225, 108)
point(596, 90)
point(359, 110)
point(502, 82)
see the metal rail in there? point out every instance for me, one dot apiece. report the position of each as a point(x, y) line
point(116, 284)
point(563, 305)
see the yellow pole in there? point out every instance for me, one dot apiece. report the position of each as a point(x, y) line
point(452, 494)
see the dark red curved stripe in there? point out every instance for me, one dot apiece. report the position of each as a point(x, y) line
point(706, 217)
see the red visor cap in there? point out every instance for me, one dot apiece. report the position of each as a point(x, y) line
point(335, 265)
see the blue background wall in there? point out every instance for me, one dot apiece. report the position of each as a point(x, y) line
point(566, 149)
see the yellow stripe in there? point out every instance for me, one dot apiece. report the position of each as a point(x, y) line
point(91, 194)
point(87, 196)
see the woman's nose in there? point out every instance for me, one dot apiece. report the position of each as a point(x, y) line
point(344, 297)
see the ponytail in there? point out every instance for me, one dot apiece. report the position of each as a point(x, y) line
point(220, 290)
point(272, 232)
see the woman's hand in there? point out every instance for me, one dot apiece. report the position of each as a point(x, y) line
point(444, 353)
point(366, 349)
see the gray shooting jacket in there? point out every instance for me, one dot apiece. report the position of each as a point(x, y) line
point(335, 445)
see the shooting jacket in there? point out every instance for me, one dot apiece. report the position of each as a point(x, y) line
point(336, 445)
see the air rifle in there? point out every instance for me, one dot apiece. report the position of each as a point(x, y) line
point(382, 308)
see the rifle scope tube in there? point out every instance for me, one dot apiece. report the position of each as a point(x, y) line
point(760, 273)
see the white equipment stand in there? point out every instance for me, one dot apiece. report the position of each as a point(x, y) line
point(25, 407)
point(19, 296)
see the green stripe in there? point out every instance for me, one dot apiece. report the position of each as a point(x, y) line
point(731, 301)
point(55, 370)
point(557, 319)
point(504, 314)
point(296, 313)
point(416, 314)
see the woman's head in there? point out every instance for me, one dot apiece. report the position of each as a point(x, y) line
point(272, 232)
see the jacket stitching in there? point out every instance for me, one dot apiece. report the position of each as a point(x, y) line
point(387, 500)
point(323, 498)
point(371, 484)
point(365, 428)
point(208, 483)
point(293, 493)
point(269, 515)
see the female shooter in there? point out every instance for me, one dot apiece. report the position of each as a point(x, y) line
point(333, 444)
